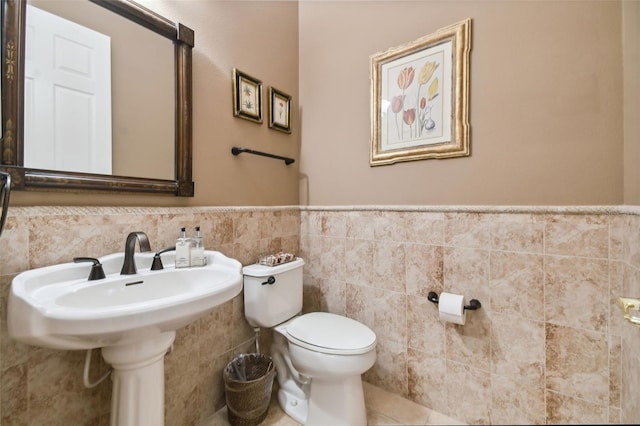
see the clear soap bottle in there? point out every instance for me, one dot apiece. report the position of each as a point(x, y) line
point(197, 250)
point(183, 250)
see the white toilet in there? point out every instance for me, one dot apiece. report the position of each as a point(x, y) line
point(319, 357)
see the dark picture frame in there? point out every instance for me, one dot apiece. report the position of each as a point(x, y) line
point(247, 96)
point(279, 110)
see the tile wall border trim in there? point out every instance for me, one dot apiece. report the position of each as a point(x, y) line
point(22, 211)
point(576, 210)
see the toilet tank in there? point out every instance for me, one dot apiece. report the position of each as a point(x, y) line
point(272, 294)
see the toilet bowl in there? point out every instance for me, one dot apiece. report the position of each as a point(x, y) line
point(319, 356)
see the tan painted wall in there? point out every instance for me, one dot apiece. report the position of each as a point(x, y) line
point(261, 39)
point(631, 61)
point(545, 103)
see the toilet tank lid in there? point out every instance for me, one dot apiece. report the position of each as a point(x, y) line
point(258, 270)
point(333, 333)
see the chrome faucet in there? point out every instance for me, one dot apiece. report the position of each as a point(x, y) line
point(129, 265)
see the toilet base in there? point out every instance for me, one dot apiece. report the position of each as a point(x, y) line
point(337, 402)
point(330, 403)
point(295, 407)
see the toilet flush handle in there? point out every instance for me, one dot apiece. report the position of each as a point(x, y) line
point(271, 280)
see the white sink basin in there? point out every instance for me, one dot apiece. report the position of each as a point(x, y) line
point(132, 318)
point(57, 307)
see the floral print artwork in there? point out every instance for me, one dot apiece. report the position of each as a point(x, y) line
point(420, 98)
point(249, 99)
point(280, 111)
point(415, 102)
point(247, 96)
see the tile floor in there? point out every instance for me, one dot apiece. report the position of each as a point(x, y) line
point(383, 408)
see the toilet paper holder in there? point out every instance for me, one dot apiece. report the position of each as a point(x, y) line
point(474, 304)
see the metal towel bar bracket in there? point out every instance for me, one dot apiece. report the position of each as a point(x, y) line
point(237, 151)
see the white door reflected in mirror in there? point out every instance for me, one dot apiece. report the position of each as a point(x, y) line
point(67, 95)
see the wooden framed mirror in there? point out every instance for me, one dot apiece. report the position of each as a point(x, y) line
point(12, 147)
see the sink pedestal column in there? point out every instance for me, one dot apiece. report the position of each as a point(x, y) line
point(138, 380)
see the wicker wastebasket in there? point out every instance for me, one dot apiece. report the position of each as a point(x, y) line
point(248, 381)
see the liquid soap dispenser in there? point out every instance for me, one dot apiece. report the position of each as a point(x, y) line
point(183, 250)
point(197, 250)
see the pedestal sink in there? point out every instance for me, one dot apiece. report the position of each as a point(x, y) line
point(132, 318)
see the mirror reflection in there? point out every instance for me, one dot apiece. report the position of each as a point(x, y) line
point(127, 99)
point(98, 92)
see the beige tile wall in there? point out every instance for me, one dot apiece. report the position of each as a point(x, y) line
point(45, 387)
point(548, 344)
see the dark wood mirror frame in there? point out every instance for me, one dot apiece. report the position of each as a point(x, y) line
point(11, 148)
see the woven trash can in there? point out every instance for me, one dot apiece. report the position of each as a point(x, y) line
point(248, 381)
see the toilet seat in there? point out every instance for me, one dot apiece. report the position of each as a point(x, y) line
point(330, 334)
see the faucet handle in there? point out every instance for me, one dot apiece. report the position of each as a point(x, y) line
point(157, 261)
point(97, 273)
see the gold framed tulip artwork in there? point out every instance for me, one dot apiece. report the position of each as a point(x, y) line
point(279, 110)
point(420, 98)
point(247, 96)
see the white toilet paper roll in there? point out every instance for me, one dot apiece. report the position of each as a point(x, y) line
point(451, 308)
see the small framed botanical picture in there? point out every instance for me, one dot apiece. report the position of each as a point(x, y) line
point(247, 96)
point(279, 110)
